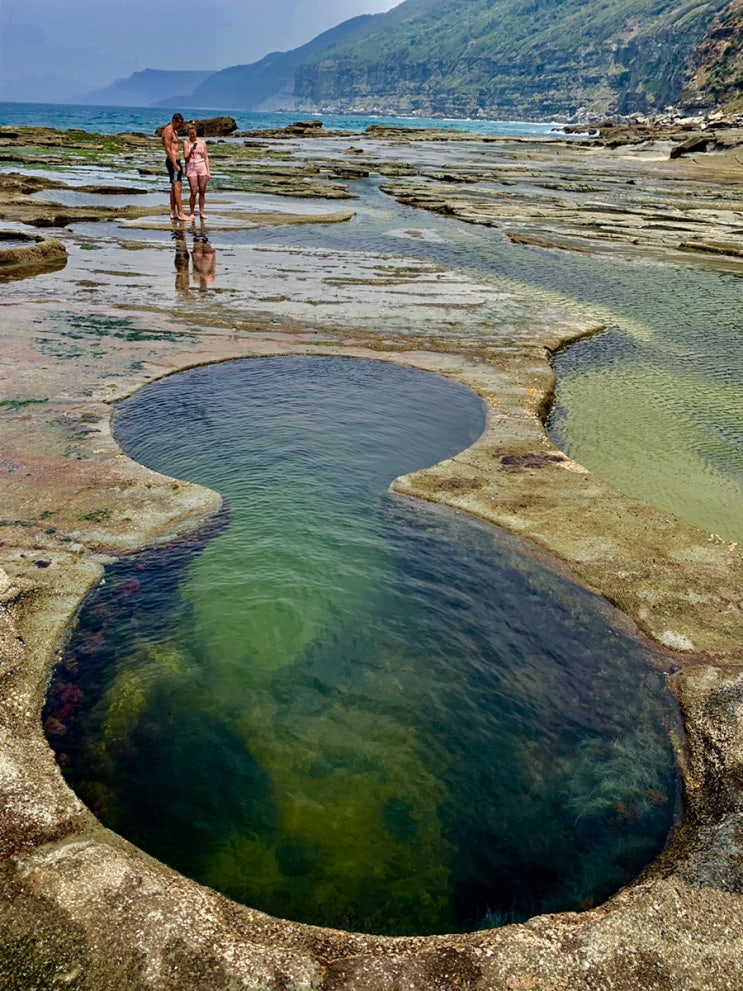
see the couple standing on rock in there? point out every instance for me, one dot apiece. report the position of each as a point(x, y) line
point(198, 171)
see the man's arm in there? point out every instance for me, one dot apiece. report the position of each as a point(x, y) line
point(170, 143)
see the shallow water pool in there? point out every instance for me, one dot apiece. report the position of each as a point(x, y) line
point(347, 708)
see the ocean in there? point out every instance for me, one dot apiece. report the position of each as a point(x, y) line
point(118, 120)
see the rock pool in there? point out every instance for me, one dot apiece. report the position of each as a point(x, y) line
point(347, 708)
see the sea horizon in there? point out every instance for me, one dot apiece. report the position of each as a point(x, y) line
point(103, 119)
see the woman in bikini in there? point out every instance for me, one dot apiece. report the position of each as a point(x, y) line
point(197, 169)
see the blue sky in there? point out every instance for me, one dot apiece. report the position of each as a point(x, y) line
point(59, 49)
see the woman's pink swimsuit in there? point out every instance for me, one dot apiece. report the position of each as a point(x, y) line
point(196, 164)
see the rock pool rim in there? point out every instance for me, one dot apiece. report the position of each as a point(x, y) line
point(151, 417)
point(711, 676)
point(29, 254)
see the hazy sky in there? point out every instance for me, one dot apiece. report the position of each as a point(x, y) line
point(56, 49)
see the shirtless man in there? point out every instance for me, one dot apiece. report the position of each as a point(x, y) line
point(174, 167)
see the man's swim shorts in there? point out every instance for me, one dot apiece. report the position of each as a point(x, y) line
point(176, 174)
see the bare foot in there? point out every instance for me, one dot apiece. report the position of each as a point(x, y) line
point(184, 217)
point(203, 216)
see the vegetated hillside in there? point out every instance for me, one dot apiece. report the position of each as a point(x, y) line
point(530, 59)
point(144, 88)
point(267, 84)
point(719, 62)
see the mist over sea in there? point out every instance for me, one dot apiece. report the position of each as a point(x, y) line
point(118, 120)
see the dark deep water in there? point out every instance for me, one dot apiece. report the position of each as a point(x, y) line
point(346, 708)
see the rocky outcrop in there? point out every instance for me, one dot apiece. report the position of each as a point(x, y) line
point(25, 254)
point(211, 127)
point(297, 129)
point(697, 142)
point(216, 127)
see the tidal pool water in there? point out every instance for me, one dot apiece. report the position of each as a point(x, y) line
point(347, 708)
point(661, 417)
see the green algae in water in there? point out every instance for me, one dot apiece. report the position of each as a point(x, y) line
point(345, 708)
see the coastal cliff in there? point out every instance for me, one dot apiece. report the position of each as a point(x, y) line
point(529, 60)
point(719, 62)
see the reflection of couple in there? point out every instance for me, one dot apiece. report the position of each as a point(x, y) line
point(204, 260)
point(203, 257)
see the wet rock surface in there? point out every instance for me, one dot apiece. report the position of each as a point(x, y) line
point(84, 909)
point(25, 254)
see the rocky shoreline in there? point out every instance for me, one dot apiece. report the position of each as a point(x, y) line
point(711, 132)
point(82, 908)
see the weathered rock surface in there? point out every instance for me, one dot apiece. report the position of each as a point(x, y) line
point(35, 254)
point(83, 909)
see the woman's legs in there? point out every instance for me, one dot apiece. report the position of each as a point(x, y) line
point(203, 180)
point(193, 184)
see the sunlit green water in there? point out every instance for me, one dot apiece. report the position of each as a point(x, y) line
point(346, 708)
point(665, 422)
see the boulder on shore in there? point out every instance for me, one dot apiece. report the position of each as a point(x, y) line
point(697, 142)
point(210, 127)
